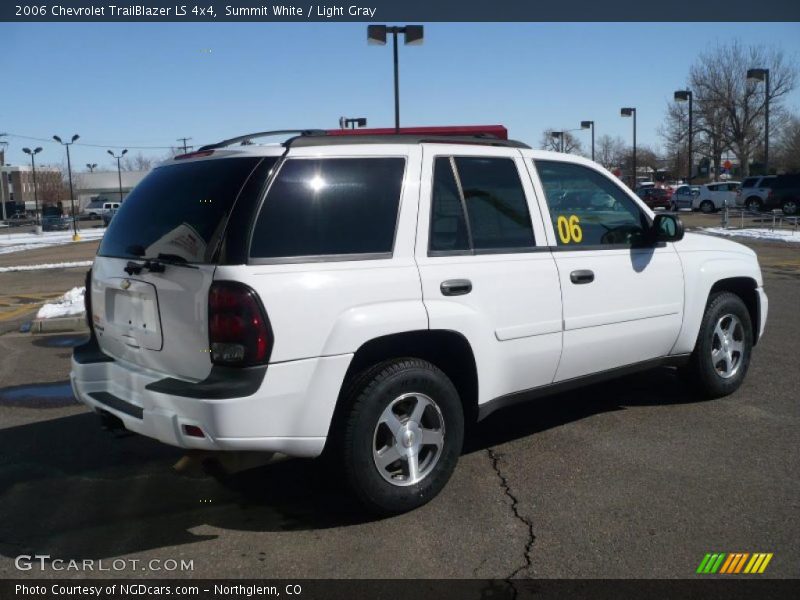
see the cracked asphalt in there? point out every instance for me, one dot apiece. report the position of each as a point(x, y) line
point(633, 478)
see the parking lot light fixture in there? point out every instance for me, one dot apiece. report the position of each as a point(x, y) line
point(33, 154)
point(631, 112)
point(589, 125)
point(91, 167)
point(412, 36)
point(352, 123)
point(119, 169)
point(558, 135)
point(75, 236)
point(686, 96)
point(755, 75)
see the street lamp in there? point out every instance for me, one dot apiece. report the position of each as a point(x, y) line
point(589, 125)
point(686, 96)
point(75, 236)
point(119, 169)
point(413, 35)
point(558, 135)
point(345, 122)
point(91, 167)
point(33, 153)
point(754, 75)
point(631, 112)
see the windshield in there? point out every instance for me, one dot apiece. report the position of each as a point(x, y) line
point(178, 212)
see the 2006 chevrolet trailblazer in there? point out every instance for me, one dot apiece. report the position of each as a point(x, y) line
point(369, 295)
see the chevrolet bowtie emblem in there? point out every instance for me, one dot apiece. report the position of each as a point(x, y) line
point(126, 283)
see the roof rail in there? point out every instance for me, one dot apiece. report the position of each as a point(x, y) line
point(243, 139)
point(343, 140)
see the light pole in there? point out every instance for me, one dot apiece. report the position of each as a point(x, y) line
point(589, 125)
point(344, 122)
point(413, 35)
point(631, 112)
point(686, 96)
point(558, 135)
point(119, 169)
point(763, 75)
point(75, 236)
point(33, 153)
point(91, 167)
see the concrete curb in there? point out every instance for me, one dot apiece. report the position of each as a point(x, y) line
point(60, 324)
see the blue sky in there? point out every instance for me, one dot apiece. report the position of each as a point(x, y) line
point(134, 84)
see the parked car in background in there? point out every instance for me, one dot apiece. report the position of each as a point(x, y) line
point(683, 195)
point(107, 216)
point(714, 196)
point(656, 197)
point(55, 223)
point(785, 194)
point(19, 219)
point(97, 209)
point(754, 192)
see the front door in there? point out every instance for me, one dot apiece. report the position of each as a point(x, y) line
point(622, 301)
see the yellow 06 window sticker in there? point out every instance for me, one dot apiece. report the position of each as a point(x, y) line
point(569, 229)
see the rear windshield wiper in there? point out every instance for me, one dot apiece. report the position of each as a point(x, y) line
point(174, 259)
point(156, 265)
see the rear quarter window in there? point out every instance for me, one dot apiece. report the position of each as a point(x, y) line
point(335, 207)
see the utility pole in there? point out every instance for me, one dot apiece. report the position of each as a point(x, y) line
point(185, 147)
point(3, 178)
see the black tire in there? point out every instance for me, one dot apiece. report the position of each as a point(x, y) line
point(707, 207)
point(753, 204)
point(701, 371)
point(789, 207)
point(365, 402)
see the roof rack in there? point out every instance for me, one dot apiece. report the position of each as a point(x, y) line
point(245, 139)
point(343, 140)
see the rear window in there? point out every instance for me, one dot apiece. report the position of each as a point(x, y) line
point(330, 207)
point(178, 211)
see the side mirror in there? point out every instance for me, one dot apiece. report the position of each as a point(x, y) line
point(667, 228)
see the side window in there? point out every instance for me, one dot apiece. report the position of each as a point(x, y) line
point(337, 206)
point(587, 208)
point(478, 205)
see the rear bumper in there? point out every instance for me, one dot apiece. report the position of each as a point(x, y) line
point(290, 412)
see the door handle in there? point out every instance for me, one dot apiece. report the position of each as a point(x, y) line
point(456, 287)
point(581, 276)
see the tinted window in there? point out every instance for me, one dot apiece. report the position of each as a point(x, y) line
point(330, 207)
point(448, 225)
point(750, 182)
point(178, 209)
point(496, 206)
point(587, 208)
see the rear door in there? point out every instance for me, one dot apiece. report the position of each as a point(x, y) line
point(485, 267)
point(156, 317)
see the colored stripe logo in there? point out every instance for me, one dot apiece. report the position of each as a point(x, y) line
point(734, 563)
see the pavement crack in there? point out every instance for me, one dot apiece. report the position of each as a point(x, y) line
point(495, 458)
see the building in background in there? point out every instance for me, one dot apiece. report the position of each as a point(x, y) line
point(103, 186)
point(17, 188)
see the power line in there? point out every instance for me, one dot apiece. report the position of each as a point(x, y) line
point(185, 147)
point(28, 137)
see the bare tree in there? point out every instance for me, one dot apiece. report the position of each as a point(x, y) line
point(722, 92)
point(609, 151)
point(788, 147)
point(675, 133)
point(139, 162)
point(572, 145)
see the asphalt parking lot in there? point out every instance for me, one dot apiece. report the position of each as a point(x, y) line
point(633, 478)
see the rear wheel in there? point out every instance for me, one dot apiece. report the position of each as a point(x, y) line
point(753, 204)
point(790, 207)
point(721, 355)
point(707, 206)
point(402, 435)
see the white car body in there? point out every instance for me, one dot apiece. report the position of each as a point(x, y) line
point(528, 327)
point(99, 211)
point(719, 195)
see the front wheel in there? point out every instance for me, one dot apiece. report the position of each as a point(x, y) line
point(721, 355)
point(403, 431)
point(707, 206)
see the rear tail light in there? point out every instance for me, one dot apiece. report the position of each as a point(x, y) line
point(239, 332)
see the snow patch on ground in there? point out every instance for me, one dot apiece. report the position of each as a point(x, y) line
point(17, 242)
point(63, 265)
point(781, 235)
point(70, 303)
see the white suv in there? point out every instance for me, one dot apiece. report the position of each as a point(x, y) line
point(369, 296)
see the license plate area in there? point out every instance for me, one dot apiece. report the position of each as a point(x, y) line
point(132, 313)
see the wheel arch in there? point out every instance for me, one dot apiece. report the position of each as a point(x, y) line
point(746, 289)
